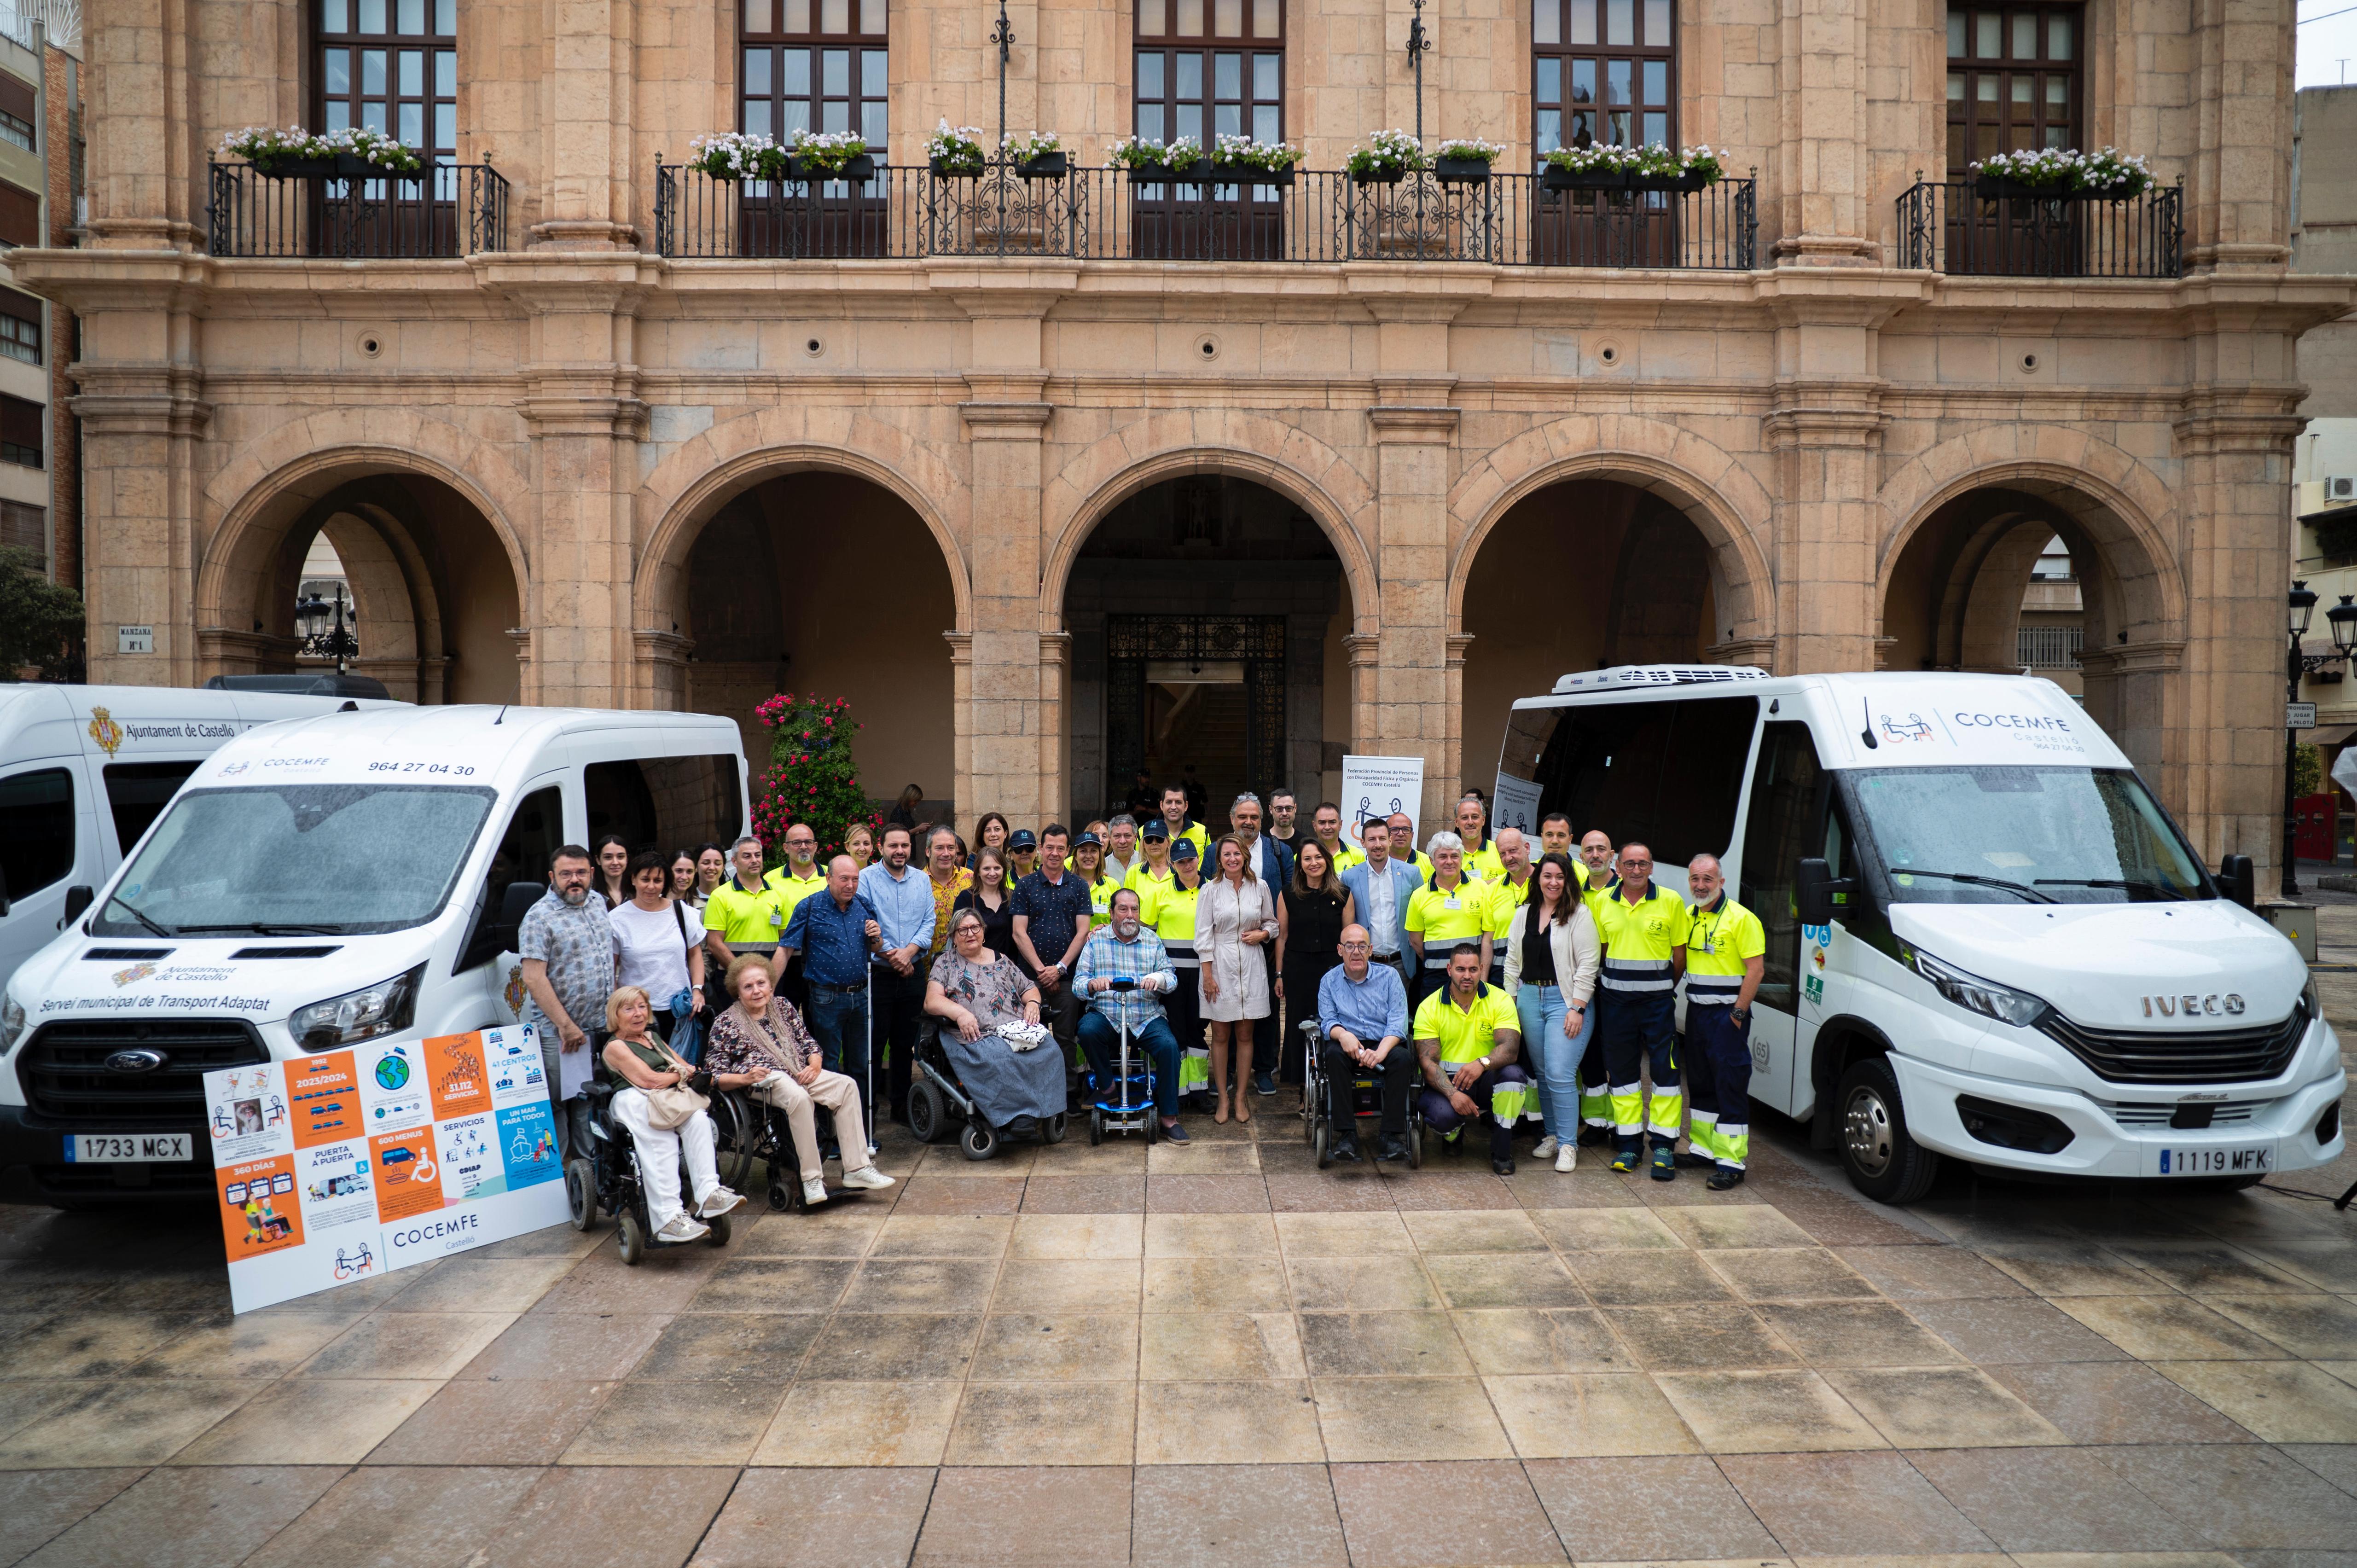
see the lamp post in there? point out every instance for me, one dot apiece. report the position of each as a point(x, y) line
point(324, 634)
point(1002, 35)
point(1419, 44)
point(2299, 610)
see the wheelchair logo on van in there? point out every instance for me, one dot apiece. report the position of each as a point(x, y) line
point(1910, 728)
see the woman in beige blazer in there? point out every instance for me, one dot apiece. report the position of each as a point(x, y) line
point(1235, 919)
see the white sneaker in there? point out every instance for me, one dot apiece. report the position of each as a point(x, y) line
point(1566, 1155)
point(814, 1191)
point(1545, 1147)
point(867, 1177)
point(682, 1228)
point(722, 1201)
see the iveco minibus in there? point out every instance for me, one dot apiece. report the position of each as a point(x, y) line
point(1986, 940)
point(315, 884)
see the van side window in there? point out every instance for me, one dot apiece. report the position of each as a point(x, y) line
point(664, 802)
point(1776, 836)
point(533, 835)
point(137, 792)
point(1668, 775)
point(37, 830)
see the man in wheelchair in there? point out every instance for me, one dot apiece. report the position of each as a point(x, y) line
point(760, 1044)
point(1363, 1013)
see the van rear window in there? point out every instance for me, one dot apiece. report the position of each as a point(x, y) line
point(36, 829)
point(665, 802)
point(1668, 775)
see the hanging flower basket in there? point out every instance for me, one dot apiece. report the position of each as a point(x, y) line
point(2061, 174)
point(1688, 181)
point(955, 168)
point(955, 152)
point(296, 154)
point(1556, 177)
point(1465, 161)
point(1047, 165)
point(1387, 174)
point(1250, 174)
point(859, 170)
point(1385, 158)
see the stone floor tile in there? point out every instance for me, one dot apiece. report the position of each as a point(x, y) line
point(1028, 1517)
point(2207, 1268)
point(1211, 1235)
point(567, 1346)
point(253, 1346)
point(1369, 1419)
point(2336, 1462)
point(2317, 1327)
point(1751, 1227)
point(1503, 1279)
point(871, 1346)
point(1069, 1284)
point(1057, 1348)
point(1342, 1235)
point(475, 1284)
point(1841, 1220)
point(407, 1345)
point(1270, 1422)
point(2066, 1500)
point(1538, 1188)
point(1058, 1423)
point(589, 1516)
point(1767, 1412)
point(177, 1518)
point(166, 1290)
point(1858, 1334)
point(554, 1242)
point(1082, 1236)
point(310, 1421)
point(24, 1401)
point(1513, 1343)
point(1473, 1231)
point(1206, 1194)
point(142, 1422)
point(931, 1194)
point(818, 1519)
point(2009, 1329)
point(386, 1516)
point(1429, 1188)
point(96, 1344)
point(899, 1423)
point(1218, 1347)
point(1664, 1509)
point(2168, 1327)
point(1699, 1338)
point(2144, 1559)
point(944, 1235)
point(1948, 1407)
point(700, 1346)
point(38, 1505)
point(1930, 1273)
point(1646, 1278)
point(2116, 1402)
point(1840, 1505)
point(1607, 1230)
point(2241, 1496)
point(2067, 1268)
point(1112, 1193)
point(2279, 1402)
point(1790, 1274)
point(1203, 1157)
point(1379, 1282)
point(1213, 1284)
point(834, 1232)
point(1390, 1519)
point(1587, 1414)
point(1342, 1190)
point(1258, 1516)
point(920, 1284)
point(2326, 1262)
point(523, 1421)
point(601, 1283)
point(710, 1422)
point(1383, 1345)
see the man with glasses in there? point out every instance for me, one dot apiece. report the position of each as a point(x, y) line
point(794, 881)
point(568, 950)
point(1362, 1008)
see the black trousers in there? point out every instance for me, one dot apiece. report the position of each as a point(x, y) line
point(1268, 1040)
point(1395, 1076)
point(894, 1019)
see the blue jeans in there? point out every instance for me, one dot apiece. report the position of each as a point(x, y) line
point(838, 1022)
point(1102, 1041)
point(1554, 1056)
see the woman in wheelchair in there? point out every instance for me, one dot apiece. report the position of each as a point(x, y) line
point(760, 1044)
point(641, 1065)
point(975, 990)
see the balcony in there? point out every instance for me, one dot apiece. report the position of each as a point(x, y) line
point(1947, 228)
point(1102, 214)
point(450, 209)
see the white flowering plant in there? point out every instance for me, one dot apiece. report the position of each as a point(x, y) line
point(957, 149)
point(1144, 152)
point(824, 152)
point(1248, 153)
point(1654, 161)
point(1022, 146)
point(1471, 150)
point(266, 148)
point(738, 154)
point(1598, 159)
point(2107, 172)
point(1386, 152)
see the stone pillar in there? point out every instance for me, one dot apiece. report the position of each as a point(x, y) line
point(1414, 710)
point(1454, 768)
point(1822, 205)
point(961, 723)
point(2240, 190)
point(590, 113)
point(1365, 651)
point(1055, 749)
point(146, 168)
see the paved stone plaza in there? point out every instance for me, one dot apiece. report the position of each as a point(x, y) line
point(1215, 1354)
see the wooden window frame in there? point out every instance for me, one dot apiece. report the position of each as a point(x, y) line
point(1554, 72)
point(1966, 73)
point(437, 84)
point(765, 40)
point(1205, 43)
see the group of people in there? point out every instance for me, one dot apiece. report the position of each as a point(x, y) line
point(1487, 974)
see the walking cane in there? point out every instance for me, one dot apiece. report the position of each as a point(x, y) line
point(867, 1094)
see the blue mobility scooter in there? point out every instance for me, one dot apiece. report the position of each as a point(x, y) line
point(1126, 1104)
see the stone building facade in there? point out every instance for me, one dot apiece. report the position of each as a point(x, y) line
point(621, 449)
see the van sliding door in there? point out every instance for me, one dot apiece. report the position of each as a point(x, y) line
point(1781, 828)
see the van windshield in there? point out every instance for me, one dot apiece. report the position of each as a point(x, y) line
point(331, 859)
point(2023, 835)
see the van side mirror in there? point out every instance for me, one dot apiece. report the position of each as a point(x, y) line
point(79, 898)
point(1815, 890)
point(516, 903)
point(2237, 881)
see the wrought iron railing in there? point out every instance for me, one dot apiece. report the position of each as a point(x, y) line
point(1951, 228)
point(449, 210)
point(2048, 647)
point(1105, 214)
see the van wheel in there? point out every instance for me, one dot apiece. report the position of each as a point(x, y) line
point(1884, 1162)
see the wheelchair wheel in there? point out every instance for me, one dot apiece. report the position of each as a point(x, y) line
point(634, 1238)
point(783, 1198)
point(581, 1192)
point(1053, 1128)
point(1319, 1134)
point(1416, 1147)
point(1096, 1128)
point(737, 1126)
point(980, 1140)
point(1153, 1128)
point(926, 1112)
point(716, 1231)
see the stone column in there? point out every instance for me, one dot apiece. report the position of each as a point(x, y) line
point(1822, 205)
point(2239, 192)
point(1365, 651)
point(146, 168)
point(588, 110)
point(1415, 692)
point(961, 723)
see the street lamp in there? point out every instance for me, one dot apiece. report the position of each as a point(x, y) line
point(319, 624)
point(2299, 611)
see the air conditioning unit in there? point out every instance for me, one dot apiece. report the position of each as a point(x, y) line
point(1624, 677)
point(2341, 488)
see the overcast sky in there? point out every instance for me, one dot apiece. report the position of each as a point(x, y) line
point(2328, 44)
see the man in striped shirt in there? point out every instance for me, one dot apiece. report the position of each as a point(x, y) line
point(1127, 950)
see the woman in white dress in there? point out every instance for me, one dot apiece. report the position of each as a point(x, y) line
point(1235, 920)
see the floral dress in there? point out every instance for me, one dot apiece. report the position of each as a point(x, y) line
point(1003, 1082)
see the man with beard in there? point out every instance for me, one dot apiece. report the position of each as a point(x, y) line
point(1127, 950)
point(568, 970)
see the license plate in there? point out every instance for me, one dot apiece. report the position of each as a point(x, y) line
point(125, 1148)
point(2257, 1159)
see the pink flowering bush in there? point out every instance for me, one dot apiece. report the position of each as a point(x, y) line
point(812, 777)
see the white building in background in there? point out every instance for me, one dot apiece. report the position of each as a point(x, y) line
point(2324, 456)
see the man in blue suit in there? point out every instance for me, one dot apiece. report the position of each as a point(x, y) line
point(1380, 887)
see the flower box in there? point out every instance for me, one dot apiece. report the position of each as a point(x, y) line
point(1250, 174)
point(1668, 181)
point(950, 168)
point(1997, 188)
point(1046, 166)
point(1554, 179)
point(1388, 175)
point(1167, 174)
point(1461, 171)
point(857, 170)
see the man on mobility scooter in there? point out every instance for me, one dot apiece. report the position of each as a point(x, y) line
point(1121, 975)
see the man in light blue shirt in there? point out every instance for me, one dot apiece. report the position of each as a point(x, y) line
point(903, 897)
point(1125, 949)
point(1362, 1012)
point(1380, 888)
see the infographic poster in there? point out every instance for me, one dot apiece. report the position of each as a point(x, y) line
point(350, 1165)
point(1375, 787)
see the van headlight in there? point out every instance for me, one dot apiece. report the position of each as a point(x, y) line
point(1970, 991)
point(12, 1021)
point(387, 1007)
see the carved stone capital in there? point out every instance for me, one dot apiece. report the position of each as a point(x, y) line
point(1758, 651)
point(1432, 424)
point(1363, 649)
point(654, 647)
point(2159, 657)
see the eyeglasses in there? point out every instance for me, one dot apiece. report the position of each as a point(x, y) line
point(1358, 947)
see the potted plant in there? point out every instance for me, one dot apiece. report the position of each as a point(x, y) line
point(1156, 163)
point(1465, 160)
point(294, 153)
point(956, 152)
point(1037, 155)
point(1385, 158)
point(829, 155)
point(736, 155)
point(2061, 174)
point(1240, 160)
point(1592, 167)
point(1658, 168)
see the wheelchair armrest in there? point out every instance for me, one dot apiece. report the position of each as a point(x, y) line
point(596, 1091)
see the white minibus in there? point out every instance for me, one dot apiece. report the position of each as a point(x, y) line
point(1986, 940)
point(318, 883)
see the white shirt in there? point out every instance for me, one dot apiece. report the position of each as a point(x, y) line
point(649, 951)
point(1383, 901)
point(1117, 869)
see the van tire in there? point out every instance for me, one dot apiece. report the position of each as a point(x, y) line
point(1884, 1162)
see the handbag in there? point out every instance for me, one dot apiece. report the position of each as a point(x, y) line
point(669, 1108)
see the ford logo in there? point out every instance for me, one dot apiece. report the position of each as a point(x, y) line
point(135, 1062)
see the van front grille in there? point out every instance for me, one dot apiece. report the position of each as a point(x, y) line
point(67, 1082)
point(2192, 1055)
